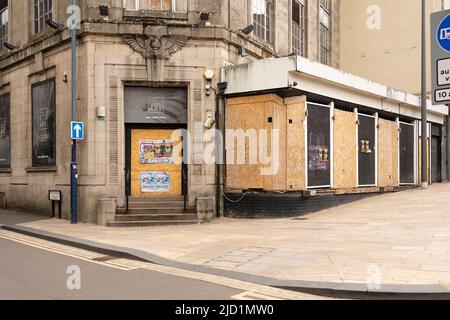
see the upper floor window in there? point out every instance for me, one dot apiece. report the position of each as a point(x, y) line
point(43, 10)
point(4, 21)
point(262, 15)
point(131, 4)
point(325, 31)
point(298, 24)
point(159, 5)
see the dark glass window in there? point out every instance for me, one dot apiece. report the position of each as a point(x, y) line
point(5, 131)
point(44, 135)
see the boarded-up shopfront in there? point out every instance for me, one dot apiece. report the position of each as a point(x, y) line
point(333, 139)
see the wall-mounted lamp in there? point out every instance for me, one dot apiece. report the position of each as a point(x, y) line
point(209, 76)
point(248, 29)
point(54, 25)
point(101, 112)
point(65, 77)
point(10, 46)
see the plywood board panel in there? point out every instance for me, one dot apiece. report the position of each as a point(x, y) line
point(173, 171)
point(248, 115)
point(387, 153)
point(295, 143)
point(276, 181)
point(344, 150)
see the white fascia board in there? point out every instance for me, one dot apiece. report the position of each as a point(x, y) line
point(337, 91)
point(385, 94)
point(281, 73)
point(261, 75)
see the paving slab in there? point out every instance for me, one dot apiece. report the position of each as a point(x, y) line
point(391, 240)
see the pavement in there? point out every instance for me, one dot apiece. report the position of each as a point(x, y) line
point(391, 243)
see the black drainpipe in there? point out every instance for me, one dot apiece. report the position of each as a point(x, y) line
point(219, 97)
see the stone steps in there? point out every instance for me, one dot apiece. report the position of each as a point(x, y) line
point(154, 211)
point(155, 217)
point(149, 223)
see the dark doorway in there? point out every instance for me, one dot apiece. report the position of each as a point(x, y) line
point(319, 146)
point(367, 151)
point(436, 154)
point(407, 153)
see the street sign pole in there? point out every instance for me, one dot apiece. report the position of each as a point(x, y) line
point(73, 165)
point(440, 66)
point(424, 99)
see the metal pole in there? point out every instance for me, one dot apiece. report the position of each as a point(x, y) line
point(73, 166)
point(424, 100)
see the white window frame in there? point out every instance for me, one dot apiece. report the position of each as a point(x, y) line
point(269, 19)
point(325, 24)
point(136, 5)
point(44, 16)
point(4, 37)
point(298, 32)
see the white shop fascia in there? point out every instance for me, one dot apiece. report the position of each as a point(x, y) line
point(296, 74)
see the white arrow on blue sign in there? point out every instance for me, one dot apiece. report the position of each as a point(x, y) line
point(77, 130)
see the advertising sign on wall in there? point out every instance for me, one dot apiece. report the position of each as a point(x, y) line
point(152, 182)
point(5, 136)
point(156, 152)
point(155, 105)
point(43, 101)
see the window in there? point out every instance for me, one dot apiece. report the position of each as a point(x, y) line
point(157, 5)
point(131, 4)
point(4, 21)
point(298, 24)
point(5, 135)
point(262, 13)
point(44, 135)
point(43, 10)
point(325, 31)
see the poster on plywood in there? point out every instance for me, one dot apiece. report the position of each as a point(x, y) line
point(156, 152)
point(155, 182)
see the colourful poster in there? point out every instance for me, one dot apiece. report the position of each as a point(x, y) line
point(156, 152)
point(152, 182)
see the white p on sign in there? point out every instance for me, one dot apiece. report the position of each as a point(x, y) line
point(77, 130)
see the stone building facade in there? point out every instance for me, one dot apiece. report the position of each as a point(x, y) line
point(126, 43)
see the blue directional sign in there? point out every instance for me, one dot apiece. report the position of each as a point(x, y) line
point(443, 34)
point(77, 130)
point(440, 56)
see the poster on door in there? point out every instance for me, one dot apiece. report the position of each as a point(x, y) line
point(155, 182)
point(156, 152)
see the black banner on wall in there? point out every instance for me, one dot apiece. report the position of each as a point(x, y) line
point(367, 152)
point(319, 146)
point(155, 105)
point(44, 138)
point(5, 131)
point(406, 154)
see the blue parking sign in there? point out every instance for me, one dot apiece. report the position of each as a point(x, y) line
point(443, 34)
point(77, 130)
